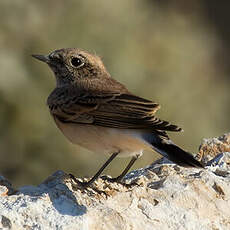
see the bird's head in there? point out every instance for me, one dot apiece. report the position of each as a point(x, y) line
point(71, 65)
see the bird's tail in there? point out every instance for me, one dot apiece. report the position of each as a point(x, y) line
point(175, 154)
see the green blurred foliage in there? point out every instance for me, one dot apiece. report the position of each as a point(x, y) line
point(171, 53)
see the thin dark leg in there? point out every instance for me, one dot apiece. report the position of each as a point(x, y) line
point(86, 184)
point(120, 177)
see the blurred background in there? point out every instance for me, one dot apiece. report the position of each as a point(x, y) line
point(174, 52)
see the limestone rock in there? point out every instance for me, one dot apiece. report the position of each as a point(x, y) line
point(210, 148)
point(161, 196)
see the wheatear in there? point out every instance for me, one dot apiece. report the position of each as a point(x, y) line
point(97, 112)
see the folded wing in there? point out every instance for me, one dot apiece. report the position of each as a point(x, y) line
point(114, 110)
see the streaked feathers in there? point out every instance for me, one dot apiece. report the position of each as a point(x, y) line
point(114, 110)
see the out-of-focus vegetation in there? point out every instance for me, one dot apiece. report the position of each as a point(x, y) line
point(172, 52)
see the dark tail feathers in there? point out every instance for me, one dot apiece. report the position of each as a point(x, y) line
point(174, 153)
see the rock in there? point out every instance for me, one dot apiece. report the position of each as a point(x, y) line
point(210, 148)
point(5, 187)
point(162, 196)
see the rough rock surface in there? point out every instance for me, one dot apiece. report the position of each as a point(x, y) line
point(210, 148)
point(162, 196)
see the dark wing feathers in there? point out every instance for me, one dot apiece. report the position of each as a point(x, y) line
point(129, 111)
point(114, 110)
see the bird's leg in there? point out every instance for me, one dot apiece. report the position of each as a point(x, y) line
point(120, 177)
point(86, 184)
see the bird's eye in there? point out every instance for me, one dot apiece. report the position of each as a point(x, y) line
point(76, 62)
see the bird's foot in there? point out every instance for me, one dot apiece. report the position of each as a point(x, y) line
point(85, 185)
point(81, 184)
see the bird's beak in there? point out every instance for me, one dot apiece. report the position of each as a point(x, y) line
point(43, 58)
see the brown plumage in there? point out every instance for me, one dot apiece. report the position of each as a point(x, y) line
point(108, 109)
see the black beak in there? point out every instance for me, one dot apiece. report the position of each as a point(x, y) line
point(43, 58)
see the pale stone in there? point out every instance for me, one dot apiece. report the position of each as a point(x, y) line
point(164, 196)
point(210, 148)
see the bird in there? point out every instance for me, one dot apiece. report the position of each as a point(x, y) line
point(95, 111)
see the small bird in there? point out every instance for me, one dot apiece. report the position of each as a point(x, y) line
point(97, 112)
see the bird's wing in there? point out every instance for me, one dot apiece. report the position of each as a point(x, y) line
point(114, 110)
point(129, 111)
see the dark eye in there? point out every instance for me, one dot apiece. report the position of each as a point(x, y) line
point(77, 62)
